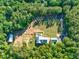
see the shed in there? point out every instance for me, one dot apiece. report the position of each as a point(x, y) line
point(10, 38)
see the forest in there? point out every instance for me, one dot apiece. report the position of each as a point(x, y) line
point(18, 14)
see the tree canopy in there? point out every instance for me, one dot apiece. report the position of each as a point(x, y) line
point(18, 14)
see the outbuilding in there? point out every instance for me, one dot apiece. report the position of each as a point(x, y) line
point(10, 37)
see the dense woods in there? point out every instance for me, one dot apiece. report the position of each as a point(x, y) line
point(18, 14)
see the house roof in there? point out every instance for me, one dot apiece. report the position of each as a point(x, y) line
point(54, 38)
point(10, 38)
point(43, 38)
point(47, 38)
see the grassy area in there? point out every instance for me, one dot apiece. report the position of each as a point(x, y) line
point(32, 43)
point(50, 31)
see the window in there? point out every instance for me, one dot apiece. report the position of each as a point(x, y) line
point(53, 41)
point(43, 41)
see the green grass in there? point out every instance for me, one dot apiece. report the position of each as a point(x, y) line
point(50, 31)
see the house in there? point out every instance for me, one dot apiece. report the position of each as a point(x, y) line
point(42, 40)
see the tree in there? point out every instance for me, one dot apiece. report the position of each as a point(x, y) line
point(72, 23)
point(54, 2)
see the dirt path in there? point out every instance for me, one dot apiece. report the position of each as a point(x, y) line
point(26, 36)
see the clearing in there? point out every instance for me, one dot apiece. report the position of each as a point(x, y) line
point(27, 35)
